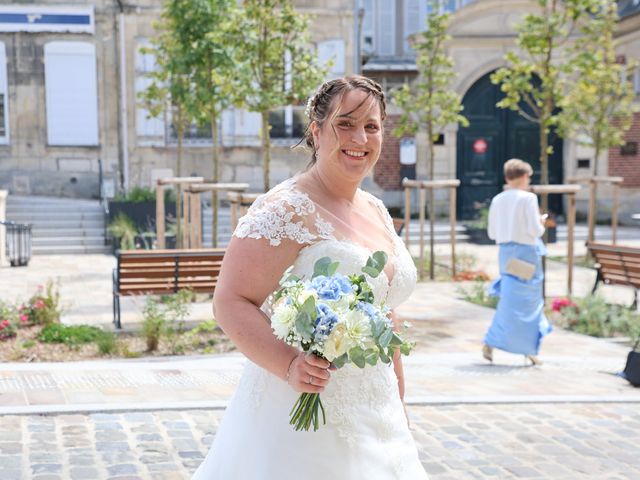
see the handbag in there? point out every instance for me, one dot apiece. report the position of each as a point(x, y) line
point(632, 367)
point(520, 268)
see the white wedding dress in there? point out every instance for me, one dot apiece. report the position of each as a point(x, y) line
point(366, 434)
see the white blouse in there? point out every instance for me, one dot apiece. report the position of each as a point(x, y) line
point(514, 217)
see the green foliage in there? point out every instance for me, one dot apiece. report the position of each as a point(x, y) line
point(599, 107)
point(266, 33)
point(107, 343)
point(481, 220)
point(477, 293)
point(71, 335)
point(139, 194)
point(430, 103)
point(43, 308)
point(538, 74)
point(592, 315)
point(165, 319)
point(123, 229)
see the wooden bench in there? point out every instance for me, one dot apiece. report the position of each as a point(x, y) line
point(616, 265)
point(161, 272)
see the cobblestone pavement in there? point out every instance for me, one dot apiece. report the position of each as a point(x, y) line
point(456, 442)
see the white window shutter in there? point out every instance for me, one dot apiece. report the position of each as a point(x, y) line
point(71, 93)
point(386, 31)
point(332, 50)
point(4, 93)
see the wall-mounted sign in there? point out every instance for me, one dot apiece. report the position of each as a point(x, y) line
point(408, 151)
point(44, 18)
point(480, 146)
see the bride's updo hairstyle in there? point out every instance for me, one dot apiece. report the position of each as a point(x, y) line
point(323, 105)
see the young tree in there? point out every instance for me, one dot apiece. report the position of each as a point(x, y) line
point(274, 65)
point(429, 104)
point(537, 74)
point(207, 52)
point(170, 88)
point(600, 105)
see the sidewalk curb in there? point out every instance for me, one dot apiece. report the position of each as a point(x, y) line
point(419, 401)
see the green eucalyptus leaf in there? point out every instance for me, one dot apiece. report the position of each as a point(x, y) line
point(321, 267)
point(356, 354)
point(371, 356)
point(340, 361)
point(385, 338)
point(396, 341)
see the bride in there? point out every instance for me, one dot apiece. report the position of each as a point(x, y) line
point(320, 212)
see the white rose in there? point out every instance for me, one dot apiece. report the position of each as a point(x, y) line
point(283, 320)
point(337, 343)
point(305, 294)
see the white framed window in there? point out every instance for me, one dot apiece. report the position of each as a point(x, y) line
point(386, 28)
point(4, 95)
point(71, 93)
point(149, 130)
point(368, 32)
point(415, 21)
point(332, 50)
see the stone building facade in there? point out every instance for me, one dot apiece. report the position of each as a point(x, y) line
point(70, 135)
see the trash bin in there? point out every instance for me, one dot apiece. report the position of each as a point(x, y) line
point(18, 243)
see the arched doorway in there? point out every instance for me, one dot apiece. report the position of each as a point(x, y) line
point(493, 136)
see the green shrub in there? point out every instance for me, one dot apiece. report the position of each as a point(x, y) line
point(71, 335)
point(477, 293)
point(124, 230)
point(144, 194)
point(107, 343)
point(43, 308)
point(165, 318)
point(592, 315)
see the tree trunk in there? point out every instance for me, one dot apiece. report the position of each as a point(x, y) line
point(593, 197)
point(266, 148)
point(180, 133)
point(216, 179)
point(431, 202)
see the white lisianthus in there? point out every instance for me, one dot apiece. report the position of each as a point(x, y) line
point(283, 320)
point(303, 295)
point(358, 327)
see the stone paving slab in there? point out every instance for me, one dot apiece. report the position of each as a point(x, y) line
point(563, 442)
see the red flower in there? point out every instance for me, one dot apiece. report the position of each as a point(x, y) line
point(24, 318)
point(39, 304)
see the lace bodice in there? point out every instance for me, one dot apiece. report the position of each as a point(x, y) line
point(285, 212)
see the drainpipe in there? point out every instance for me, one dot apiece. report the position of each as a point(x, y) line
point(122, 84)
point(358, 15)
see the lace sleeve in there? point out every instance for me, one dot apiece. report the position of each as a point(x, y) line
point(283, 213)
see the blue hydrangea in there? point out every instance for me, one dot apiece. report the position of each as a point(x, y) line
point(373, 312)
point(331, 288)
point(325, 322)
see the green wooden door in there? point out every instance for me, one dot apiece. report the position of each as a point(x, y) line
point(495, 135)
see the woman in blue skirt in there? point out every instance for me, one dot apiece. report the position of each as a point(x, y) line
point(516, 225)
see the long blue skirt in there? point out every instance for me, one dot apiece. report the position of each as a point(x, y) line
point(519, 322)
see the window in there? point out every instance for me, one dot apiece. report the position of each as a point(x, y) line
point(4, 113)
point(71, 93)
point(386, 32)
point(415, 21)
point(150, 131)
point(288, 122)
point(332, 50)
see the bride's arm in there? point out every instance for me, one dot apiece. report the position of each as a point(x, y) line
point(250, 272)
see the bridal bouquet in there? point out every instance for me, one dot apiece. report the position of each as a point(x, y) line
point(335, 317)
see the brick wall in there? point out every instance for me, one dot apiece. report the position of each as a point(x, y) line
point(627, 166)
point(386, 173)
